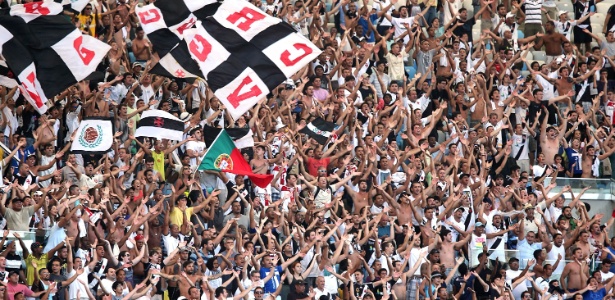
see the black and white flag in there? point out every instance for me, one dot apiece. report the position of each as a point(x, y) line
point(319, 129)
point(53, 54)
point(76, 5)
point(94, 136)
point(161, 125)
point(242, 137)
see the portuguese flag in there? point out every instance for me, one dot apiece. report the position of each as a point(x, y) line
point(222, 155)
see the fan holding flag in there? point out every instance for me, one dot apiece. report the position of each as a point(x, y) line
point(223, 156)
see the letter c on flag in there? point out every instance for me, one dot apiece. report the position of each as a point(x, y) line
point(285, 57)
point(200, 47)
point(149, 16)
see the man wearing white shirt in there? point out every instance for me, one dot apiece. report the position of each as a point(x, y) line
point(195, 149)
point(399, 24)
point(605, 273)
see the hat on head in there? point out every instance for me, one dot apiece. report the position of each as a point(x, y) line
point(436, 274)
point(137, 64)
point(36, 245)
point(38, 193)
point(479, 224)
point(185, 116)
point(561, 12)
point(299, 282)
point(434, 251)
point(139, 237)
point(510, 15)
point(528, 206)
point(460, 208)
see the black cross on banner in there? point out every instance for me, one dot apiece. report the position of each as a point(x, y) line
point(242, 52)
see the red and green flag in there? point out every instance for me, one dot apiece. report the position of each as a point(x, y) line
point(222, 155)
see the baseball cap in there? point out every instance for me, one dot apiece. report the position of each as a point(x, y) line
point(139, 237)
point(561, 12)
point(436, 274)
point(528, 206)
point(38, 193)
point(36, 245)
point(299, 282)
point(479, 224)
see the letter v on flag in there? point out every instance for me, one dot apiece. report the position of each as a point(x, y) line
point(223, 156)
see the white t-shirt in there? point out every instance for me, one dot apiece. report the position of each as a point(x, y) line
point(77, 286)
point(519, 289)
point(415, 254)
point(197, 147)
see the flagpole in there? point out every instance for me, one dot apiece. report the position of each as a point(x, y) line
point(212, 143)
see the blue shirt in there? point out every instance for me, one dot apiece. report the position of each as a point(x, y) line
point(274, 282)
point(574, 157)
point(594, 295)
point(526, 251)
point(21, 155)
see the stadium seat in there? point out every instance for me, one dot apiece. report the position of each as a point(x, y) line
point(597, 18)
point(475, 34)
point(410, 71)
point(529, 57)
point(525, 73)
point(539, 55)
point(565, 6)
point(603, 8)
point(596, 27)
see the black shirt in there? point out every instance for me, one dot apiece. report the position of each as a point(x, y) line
point(293, 295)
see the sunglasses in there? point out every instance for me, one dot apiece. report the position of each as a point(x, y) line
point(258, 292)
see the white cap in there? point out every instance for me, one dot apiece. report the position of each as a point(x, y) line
point(510, 15)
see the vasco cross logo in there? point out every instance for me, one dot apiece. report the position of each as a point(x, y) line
point(158, 122)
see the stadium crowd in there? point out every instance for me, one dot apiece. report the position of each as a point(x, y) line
point(445, 176)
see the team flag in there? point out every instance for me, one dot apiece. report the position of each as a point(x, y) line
point(319, 129)
point(242, 137)
point(222, 155)
point(94, 136)
point(160, 124)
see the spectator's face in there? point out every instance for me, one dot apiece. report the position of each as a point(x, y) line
point(514, 265)
point(606, 266)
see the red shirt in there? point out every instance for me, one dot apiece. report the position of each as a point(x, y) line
point(17, 288)
point(313, 165)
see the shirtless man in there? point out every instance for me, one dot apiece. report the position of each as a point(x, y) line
point(589, 156)
point(399, 288)
point(448, 248)
point(575, 273)
point(549, 138)
point(259, 164)
point(552, 40)
point(404, 212)
point(141, 47)
point(363, 197)
point(188, 277)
